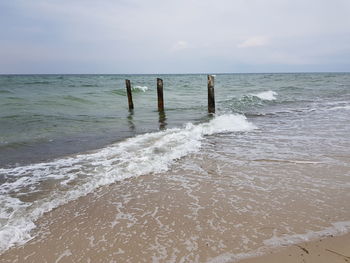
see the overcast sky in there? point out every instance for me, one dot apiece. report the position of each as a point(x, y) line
point(177, 36)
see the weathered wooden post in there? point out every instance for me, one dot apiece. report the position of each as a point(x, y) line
point(211, 97)
point(160, 95)
point(128, 90)
point(162, 120)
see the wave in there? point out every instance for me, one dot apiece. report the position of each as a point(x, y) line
point(37, 83)
point(140, 88)
point(5, 92)
point(135, 89)
point(120, 92)
point(291, 88)
point(88, 85)
point(337, 228)
point(246, 103)
point(12, 98)
point(11, 145)
point(76, 99)
point(346, 107)
point(81, 174)
point(266, 95)
point(287, 161)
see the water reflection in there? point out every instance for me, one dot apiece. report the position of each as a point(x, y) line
point(131, 120)
point(162, 120)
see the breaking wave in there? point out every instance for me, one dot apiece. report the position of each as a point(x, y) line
point(140, 88)
point(266, 95)
point(76, 176)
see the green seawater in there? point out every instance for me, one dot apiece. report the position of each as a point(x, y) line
point(47, 116)
point(279, 135)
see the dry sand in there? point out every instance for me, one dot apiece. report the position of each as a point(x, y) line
point(328, 250)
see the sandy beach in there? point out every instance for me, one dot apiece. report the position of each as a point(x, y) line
point(196, 212)
point(217, 189)
point(174, 131)
point(325, 250)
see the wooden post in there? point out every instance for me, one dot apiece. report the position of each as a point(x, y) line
point(160, 95)
point(128, 90)
point(211, 97)
point(162, 120)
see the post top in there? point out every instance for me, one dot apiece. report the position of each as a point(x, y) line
point(210, 80)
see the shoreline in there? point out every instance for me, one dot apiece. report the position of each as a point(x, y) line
point(322, 250)
point(145, 219)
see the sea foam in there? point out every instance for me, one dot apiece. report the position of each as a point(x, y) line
point(141, 88)
point(140, 155)
point(337, 228)
point(266, 95)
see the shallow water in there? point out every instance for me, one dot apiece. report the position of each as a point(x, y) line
point(216, 190)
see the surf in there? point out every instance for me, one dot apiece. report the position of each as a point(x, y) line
point(81, 174)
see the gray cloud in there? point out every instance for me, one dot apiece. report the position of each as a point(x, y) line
point(135, 36)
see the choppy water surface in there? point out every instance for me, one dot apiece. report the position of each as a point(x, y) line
point(278, 144)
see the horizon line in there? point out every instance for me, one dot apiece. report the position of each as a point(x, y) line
point(190, 73)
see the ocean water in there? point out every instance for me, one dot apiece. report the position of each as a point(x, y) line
point(64, 136)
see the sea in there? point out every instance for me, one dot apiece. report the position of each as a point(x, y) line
point(270, 168)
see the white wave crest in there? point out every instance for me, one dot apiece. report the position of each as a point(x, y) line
point(142, 88)
point(140, 155)
point(266, 95)
point(347, 107)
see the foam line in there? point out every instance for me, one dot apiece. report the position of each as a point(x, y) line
point(140, 155)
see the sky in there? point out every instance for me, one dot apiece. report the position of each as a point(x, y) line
point(177, 36)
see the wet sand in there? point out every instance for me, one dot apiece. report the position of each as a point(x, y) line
point(199, 211)
point(328, 250)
